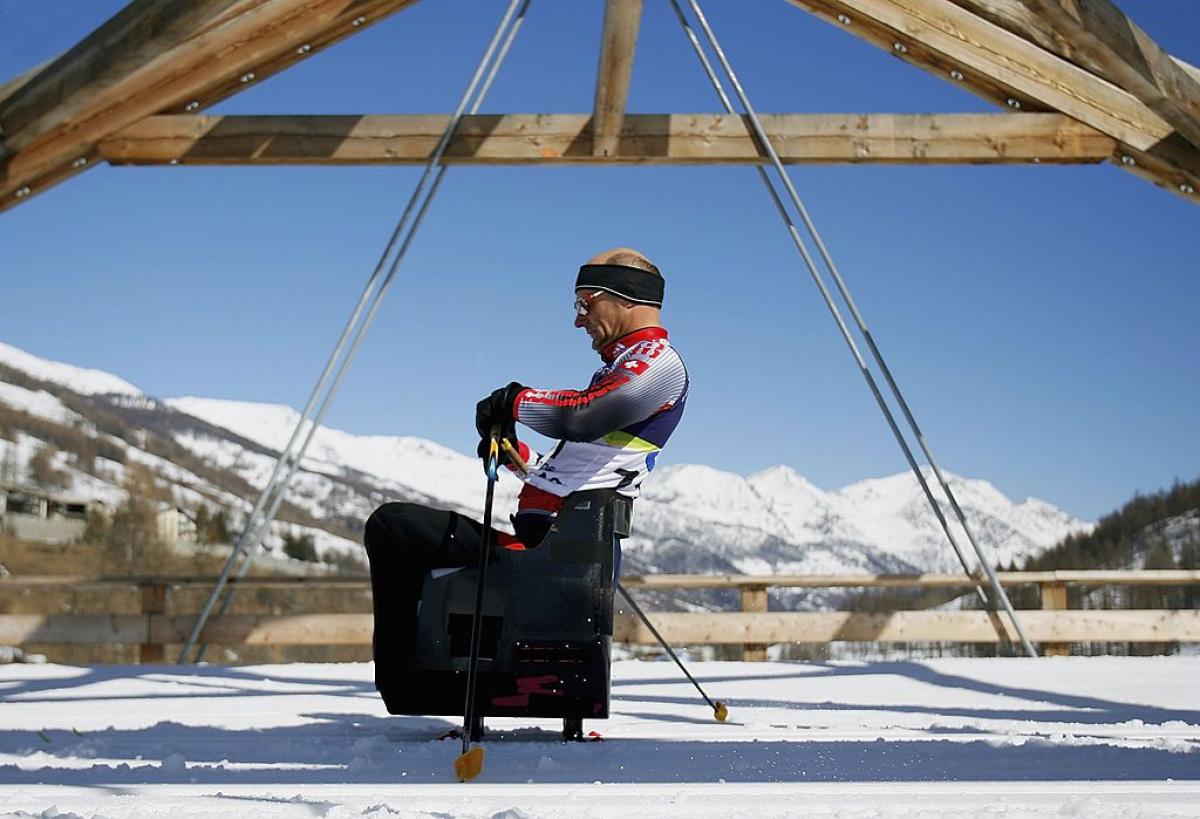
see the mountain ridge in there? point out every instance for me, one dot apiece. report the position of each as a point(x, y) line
point(691, 517)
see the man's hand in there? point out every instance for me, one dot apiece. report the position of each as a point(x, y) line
point(496, 411)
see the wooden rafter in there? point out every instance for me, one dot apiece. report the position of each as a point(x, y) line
point(622, 19)
point(60, 90)
point(237, 43)
point(1001, 66)
point(1096, 35)
point(111, 95)
point(1187, 68)
point(645, 138)
point(11, 87)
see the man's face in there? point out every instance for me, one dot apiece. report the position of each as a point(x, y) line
point(602, 321)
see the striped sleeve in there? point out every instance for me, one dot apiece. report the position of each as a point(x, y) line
point(651, 377)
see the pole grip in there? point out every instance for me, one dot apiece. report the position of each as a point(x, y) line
point(514, 456)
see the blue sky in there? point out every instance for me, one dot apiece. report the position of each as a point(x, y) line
point(1041, 320)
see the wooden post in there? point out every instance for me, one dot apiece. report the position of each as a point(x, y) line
point(622, 19)
point(1054, 598)
point(154, 602)
point(754, 599)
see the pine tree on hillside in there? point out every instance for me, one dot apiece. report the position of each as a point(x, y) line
point(9, 471)
point(132, 544)
point(211, 527)
point(1117, 540)
point(42, 473)
point(300, 547)
point(202, 524)
point(218, 528)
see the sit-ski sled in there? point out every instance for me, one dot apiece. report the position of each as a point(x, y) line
point(547, 627)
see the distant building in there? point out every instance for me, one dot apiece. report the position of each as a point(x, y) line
point(32, 514)
point(175, 526)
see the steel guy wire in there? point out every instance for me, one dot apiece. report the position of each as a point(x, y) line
point(800, 246)
point(276, 487)
point(715, 706)
point(827, 258)
point(248, 557)
point(760, 133)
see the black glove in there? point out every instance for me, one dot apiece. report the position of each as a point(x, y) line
point(497, 411)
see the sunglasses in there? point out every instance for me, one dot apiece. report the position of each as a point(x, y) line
point(583, 303)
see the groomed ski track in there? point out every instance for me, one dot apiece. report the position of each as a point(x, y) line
point(1076, 736)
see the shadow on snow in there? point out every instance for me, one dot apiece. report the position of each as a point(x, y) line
point(339, 748)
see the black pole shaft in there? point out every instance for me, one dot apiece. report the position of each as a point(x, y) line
point(477, 624)
point(662, 642)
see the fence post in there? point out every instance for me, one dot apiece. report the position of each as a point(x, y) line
point(1054, 598)
point(154, 602)
point(754, 599)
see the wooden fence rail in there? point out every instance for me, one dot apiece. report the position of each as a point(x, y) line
point(753, 627)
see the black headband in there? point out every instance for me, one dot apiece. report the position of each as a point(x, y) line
point(630, 283)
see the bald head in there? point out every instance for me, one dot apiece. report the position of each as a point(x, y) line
point(609, 316)
point(626, 256)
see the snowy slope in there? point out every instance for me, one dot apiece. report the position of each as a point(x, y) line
point(881, 524)
point(81, 380)
point(104, 482)
point(416, 464)
point(36, 402)
point(1077, 736)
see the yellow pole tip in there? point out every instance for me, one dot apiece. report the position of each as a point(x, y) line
point(467, 766)
point(721, 711)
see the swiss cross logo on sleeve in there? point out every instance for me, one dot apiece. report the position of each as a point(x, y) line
point(635, 366)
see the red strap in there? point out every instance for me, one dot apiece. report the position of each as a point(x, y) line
point(532, 497)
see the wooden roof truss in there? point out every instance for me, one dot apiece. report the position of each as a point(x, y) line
point(1077, 82)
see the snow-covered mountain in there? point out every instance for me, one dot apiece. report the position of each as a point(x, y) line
point(77, 379)
point(690, 517)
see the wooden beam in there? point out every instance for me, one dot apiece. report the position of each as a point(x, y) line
point(950, 626)
point(1097, 36)
point(52, 94)
point(963, 47)
point(21, 629)
point(1150, 625)
point(267, 629)
point(1189, 69)
point(979, 49)
point(133, 37)
point(239, 43)
point(95, 582)
point(644, 138)
point(1082, 577)
point(13, 86)
point(622, 19)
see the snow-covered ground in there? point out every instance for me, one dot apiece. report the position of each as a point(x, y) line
point(1088, 737)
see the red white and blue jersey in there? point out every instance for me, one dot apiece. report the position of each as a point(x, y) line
point(609, 433)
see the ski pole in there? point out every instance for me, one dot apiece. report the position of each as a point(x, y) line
point(469, 763)
point(718, 707)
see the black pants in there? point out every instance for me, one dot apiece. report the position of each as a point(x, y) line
point(404, 542)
